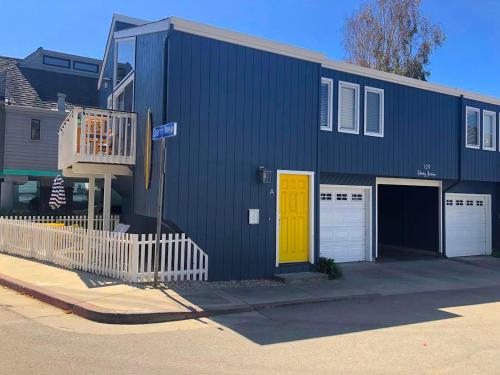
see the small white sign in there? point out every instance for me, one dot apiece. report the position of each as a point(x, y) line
point(253, 216)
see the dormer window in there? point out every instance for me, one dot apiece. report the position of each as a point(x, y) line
point(85, 67)
point(56, 61)
point(124, 59)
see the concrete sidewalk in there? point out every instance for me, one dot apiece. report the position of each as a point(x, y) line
point(109, 301)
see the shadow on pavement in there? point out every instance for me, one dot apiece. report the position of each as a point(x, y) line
point(301, 322)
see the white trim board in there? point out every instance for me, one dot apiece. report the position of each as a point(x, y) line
point(410, 182)
point(291, 51)
point(224, 35)
point(407, 181)
point(312, 218)
point(369, 216)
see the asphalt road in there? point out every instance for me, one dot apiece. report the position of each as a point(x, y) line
point(446, 332)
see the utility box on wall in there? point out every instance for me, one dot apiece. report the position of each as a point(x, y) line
point(253, 216)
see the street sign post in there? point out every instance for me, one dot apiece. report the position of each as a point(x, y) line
point(165, 131)
point(161, 133)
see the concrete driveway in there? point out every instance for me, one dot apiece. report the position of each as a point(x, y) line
point(399, 277)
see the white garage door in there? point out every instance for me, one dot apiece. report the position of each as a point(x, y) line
point(343, 224)
point(467, 225)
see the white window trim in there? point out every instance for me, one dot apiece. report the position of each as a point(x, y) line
point(121, 87)
point(473, 109)
point(329, 82)
point(115, 60)
point(494, 135)
point(381, 111)
point(354, 86)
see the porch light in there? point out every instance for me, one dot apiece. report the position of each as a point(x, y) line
point(265, 176)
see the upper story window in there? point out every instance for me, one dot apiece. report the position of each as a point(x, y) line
point(348, 121)
point(472, 131)
point(35, 130)
point(124, 97)
point(124, 59)
point(85, 67)
point(374, 111)
point(489, 130)
point(326, 111)
point(56, 61)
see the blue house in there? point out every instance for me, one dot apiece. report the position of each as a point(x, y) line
point(284, 156)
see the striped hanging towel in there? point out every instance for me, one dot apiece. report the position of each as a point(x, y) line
point(58, 196)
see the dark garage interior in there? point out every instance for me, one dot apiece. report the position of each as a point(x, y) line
point(408, 222)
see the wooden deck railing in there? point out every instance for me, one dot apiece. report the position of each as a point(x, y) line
point(90, 135)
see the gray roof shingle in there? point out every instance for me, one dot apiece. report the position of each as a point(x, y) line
point(39, 88)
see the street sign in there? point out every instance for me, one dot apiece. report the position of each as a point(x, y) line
point(165, 131)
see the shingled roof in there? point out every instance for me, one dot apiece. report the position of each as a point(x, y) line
point(38, 88)
point(5, 63)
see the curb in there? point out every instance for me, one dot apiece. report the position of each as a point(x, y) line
point(102, 315)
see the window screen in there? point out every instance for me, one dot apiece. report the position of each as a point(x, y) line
point(374, 111)
point(348, 109)
point(326, 88)
point(472, 127)
point(489, 133)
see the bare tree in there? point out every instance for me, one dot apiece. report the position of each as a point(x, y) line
point(392, 36)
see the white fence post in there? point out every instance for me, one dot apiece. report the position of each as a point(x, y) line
point(134, 258)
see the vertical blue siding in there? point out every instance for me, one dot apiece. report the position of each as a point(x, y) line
point(480, 165)
point(421, 127)
point(148, 93)
point(237, 109)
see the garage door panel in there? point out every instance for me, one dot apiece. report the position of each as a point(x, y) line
point(466, 220)
point(343, 224)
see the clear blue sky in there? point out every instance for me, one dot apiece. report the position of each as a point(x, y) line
point(470, 58)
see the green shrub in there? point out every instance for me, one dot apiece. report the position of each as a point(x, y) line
point(496, 254)
point(329, 267)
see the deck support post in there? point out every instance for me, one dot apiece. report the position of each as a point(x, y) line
point(106, 214)
point(90, 224)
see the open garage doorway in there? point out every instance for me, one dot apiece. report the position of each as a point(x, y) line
point(408, 221)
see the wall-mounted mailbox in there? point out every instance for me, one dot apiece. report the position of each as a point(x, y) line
point(253, 216)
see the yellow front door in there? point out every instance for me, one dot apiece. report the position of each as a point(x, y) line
point(293, 218)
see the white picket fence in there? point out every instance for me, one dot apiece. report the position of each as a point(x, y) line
point(75, 220)
point(118, 255)
point(179, 258)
